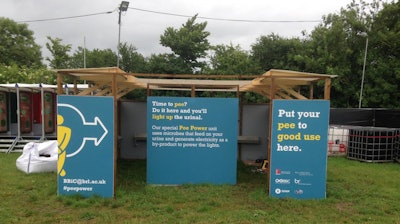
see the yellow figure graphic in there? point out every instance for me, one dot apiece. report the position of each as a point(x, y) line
point(63, 137)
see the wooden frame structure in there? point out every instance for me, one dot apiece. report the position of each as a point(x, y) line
point(274, 84)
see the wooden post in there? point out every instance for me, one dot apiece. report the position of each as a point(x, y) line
point(148, 89)
point(59, 84)
point(311, 91)
point(75, 87)
point(327, 92)
point(114, 93)
point(272, 96)
point(193, 93)
point(240, 122)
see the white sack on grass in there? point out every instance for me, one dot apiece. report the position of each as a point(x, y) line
point(39, 157)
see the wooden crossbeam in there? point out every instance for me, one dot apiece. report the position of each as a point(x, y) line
point(283, 95)
point(292, 92)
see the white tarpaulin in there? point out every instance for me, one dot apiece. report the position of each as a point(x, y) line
point(38, 157)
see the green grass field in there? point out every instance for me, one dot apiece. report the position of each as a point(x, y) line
point(357, 192)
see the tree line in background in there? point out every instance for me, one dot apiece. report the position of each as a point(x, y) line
point(335, 46)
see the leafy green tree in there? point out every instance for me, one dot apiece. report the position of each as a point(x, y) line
point(101, 58)
point(95, 58)
point(189, 42)
point(17, 45)
point(77, 59)
point(60, 57)
point(131, 60)
point(331, 52)
point(168, 64)
point(232, 60)
point(276, 52)
point(17, 74)
point(336, 46)
point(382, 76)
point(229, 59)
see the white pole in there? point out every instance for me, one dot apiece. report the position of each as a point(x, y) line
point(42, 99)
point(123, 7)
point(84, 52)
point(119, 35)
point(18, 113)
point(363, 72)
point(84, 55)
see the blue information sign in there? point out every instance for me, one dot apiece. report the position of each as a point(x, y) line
point(85, 133)
point(299, 148)
point(191, 140)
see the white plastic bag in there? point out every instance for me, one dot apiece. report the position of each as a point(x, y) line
point(39, 157)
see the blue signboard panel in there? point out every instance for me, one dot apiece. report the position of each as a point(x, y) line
point(191, 140)
point(299, 148)
point(85, 133)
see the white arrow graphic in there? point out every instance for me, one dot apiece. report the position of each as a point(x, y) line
point(96, 122)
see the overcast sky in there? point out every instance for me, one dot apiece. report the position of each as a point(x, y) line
point(143, 28)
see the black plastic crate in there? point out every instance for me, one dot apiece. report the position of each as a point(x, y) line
point(373, 144)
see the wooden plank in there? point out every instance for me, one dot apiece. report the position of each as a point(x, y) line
point(248, 139)
point(282, 95)
point(123, 92)
point(104, 92)
point(89, 91)
point(292, 92)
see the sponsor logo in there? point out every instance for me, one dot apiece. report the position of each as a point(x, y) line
point(303, 173)
point(298, 191)
point(279, 172)
point(281, 191)
point(282, 181)
point(300, 182)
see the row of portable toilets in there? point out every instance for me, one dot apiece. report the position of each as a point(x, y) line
point(368, 144)
point(30, 107)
